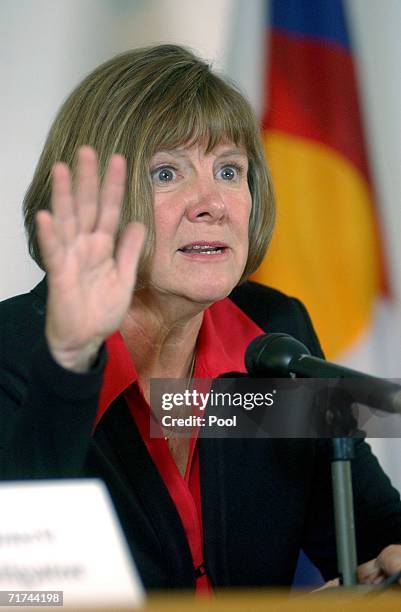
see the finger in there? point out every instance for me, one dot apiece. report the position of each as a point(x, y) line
point(111, 196)
point(47, 239)
point(128, 252)
point(87, 189)
point(64, 217)
point(369, 572)
point(389, 559)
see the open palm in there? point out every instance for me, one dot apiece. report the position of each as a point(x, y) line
point(90, 280)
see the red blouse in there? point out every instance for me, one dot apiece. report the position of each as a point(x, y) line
point(216, 353)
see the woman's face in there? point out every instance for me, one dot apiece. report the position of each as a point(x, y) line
point(202, 205)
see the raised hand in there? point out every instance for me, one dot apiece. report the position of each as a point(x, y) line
point(90, 280)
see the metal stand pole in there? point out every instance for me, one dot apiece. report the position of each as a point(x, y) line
point(343, 452)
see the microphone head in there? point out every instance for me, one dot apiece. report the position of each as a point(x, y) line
point(270, 355)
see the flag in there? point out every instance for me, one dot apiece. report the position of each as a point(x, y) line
point(326, 249)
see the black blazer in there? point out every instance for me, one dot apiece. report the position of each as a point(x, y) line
point(262, 500)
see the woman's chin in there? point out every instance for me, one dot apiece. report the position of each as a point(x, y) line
point(210, 293)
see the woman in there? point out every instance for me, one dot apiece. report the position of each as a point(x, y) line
point(178, 150)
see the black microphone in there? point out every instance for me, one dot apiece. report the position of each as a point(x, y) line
point(281, 355)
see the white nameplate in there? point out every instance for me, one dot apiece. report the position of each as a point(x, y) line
point(65, 536)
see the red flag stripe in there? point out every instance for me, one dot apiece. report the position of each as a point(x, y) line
point(314, 95)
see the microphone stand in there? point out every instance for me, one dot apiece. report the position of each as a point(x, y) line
point(341, 425)
point(342, 454)
point(337, 421)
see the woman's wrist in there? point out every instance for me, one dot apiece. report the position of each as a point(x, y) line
point(76, 360)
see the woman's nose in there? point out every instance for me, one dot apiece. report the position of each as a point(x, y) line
point(208, 206)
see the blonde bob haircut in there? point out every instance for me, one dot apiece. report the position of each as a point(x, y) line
point(139, 102)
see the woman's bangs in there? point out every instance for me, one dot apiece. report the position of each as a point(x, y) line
point(203, 122)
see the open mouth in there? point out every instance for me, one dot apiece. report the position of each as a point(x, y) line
point(204, 249)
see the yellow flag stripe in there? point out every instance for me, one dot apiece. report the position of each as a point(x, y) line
point(324, 249)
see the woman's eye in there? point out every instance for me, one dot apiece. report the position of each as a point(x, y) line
point(163, 175)
point(230, 173)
